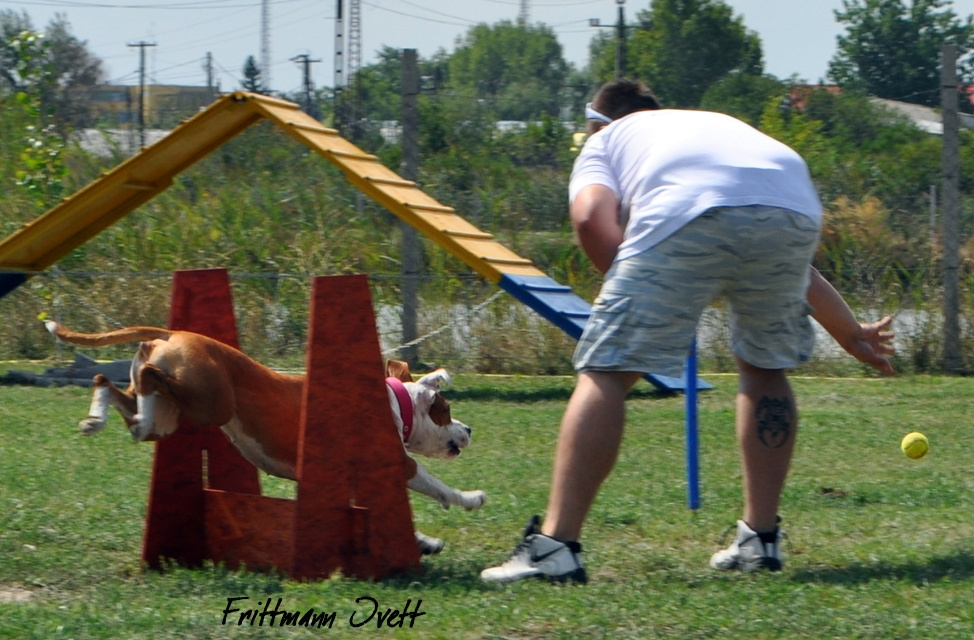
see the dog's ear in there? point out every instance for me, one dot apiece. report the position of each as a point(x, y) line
point(439, 408)
point(399, 370)
point(440, 411)
point(435, 380)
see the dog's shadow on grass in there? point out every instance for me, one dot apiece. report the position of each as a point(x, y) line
point(452, 576)
point(956, 567)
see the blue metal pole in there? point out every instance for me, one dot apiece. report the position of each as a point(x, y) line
point(693, 442)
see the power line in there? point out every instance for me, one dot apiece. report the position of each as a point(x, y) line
point(464, 22)
point(180, 6)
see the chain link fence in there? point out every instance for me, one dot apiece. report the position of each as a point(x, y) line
point(464, 323)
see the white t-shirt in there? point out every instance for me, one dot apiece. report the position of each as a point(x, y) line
point(669, 166)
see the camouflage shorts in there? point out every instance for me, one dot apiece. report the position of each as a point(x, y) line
point(757, 258)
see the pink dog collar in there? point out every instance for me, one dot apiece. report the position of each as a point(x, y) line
point(405, 406)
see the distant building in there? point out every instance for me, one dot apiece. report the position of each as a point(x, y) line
point(117, 142)
point(799, 95)
point(165, 105)
point(391, 130)
point(114, 103)
point(924, 118)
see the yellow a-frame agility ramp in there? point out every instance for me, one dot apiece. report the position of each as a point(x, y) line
point(80, 217)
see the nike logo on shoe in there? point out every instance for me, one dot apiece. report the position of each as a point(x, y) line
point(536, 558)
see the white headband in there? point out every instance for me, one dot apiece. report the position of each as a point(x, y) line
point(592, 114)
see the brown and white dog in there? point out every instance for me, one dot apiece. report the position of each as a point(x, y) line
point(178, 374)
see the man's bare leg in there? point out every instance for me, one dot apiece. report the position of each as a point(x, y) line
point(588, 445)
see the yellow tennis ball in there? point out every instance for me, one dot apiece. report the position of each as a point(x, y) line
point(915, 445)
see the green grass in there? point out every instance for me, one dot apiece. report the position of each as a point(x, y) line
point(879, 546)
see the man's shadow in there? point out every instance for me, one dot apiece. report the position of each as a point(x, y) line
point(957, 566)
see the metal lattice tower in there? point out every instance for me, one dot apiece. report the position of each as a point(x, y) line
point(354, 39)
point(265, 44)
point(353, 63)
point(522, 15)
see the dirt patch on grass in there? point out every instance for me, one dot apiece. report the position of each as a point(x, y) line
point(14, 594)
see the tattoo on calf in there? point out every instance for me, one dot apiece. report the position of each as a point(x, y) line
point(774, 421)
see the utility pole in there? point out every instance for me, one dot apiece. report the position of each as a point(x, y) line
point(621, 40)
point(339, 79)
point(142, 47)
point(621, 32)
point(950, 197)
point(208, 68)
point(339, 47)
point(305, 61)
point(265, 44)
point(411, 250)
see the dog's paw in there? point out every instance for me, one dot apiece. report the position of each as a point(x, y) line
point(91, 425)
point(471, 500)
point(428, 545)
point(139, 430)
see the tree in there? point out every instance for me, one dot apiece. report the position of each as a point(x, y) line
point(683, 47)
point(39, 168)
point(65, 68)
point(75, 72)
point(252, 76)
point(743, 95)
point(375, 93)
point(12, 25)
point(376, 89)
point(891, 50)
point(519, 69)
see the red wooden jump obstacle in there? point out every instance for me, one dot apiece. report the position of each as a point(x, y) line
point(351, 512)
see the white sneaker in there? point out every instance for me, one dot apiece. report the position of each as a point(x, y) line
point(539, 556)
point(748, 553)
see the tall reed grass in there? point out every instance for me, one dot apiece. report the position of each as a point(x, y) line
point(274, 214)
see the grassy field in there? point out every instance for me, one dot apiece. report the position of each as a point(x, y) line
point(879, 546)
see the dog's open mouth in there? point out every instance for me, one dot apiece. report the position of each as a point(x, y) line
point(454, 450)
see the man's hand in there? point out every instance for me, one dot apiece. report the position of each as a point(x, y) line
point(868, 342)
point(873, 344)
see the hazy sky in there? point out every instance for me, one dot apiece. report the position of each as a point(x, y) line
point(798, 36)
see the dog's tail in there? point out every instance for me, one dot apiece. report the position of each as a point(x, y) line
point(128, 334)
